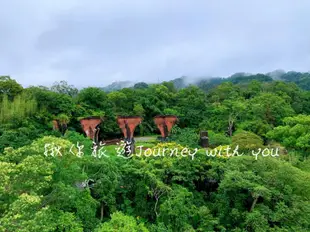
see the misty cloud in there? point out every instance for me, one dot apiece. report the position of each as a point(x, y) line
point(98, 42)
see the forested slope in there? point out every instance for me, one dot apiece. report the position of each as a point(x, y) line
point(72, 191)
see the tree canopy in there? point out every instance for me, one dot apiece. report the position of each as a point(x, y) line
point(56, 179)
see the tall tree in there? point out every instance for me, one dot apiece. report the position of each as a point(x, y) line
point(9, 87)
point(64, 88)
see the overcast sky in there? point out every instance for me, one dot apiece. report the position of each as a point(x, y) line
point(97, 42)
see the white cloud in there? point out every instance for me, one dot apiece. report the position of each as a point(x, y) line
point(105, 41)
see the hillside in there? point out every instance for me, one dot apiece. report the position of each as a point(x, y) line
point(69, 160)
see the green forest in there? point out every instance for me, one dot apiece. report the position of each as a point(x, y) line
point(235, 193)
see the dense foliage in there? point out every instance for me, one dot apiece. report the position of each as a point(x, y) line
point(63, 191)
